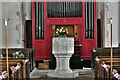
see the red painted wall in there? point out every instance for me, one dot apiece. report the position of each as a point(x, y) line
point(43, 47)
point(88, 44)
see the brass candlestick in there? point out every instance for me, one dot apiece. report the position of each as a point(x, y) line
point(111, 55)
point(6, 31)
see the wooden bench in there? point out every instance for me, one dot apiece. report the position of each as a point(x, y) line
point(104, 55)
point(106, 59)
point(102, 67)
point(16, 72)
point(3, 75)
point(104, 52)
point(21, 72)
point(28, 52)
point(99, 70)
point(12, 63)
point(27, 64)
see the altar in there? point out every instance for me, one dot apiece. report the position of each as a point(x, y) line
point(62, 48)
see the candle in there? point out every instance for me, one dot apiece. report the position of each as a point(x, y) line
point(110, 20)
point(5, 21)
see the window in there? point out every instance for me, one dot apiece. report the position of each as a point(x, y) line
point(89, 20)
point(64, 9)
point(39, 20)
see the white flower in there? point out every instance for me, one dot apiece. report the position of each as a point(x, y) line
point(57, 32)
point(17, 53)
point(62, 31)
point(57, 29)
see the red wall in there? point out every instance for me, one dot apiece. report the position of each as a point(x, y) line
point(43, 47)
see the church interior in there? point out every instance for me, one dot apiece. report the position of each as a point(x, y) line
point(59, 40)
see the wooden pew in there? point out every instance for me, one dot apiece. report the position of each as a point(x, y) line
point(11, 63)
point(26, 69)
point(3, 75)
point(28, 63)
point(103, 52)
point(28, 52)
point(16, 72)
point(22, 73)
point(100, 71)
point(104, 55)
point(102, 67)
point(116, 61)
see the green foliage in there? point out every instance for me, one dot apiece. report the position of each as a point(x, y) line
point(18, 54)
point(62, 31)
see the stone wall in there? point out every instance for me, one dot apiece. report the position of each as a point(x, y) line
point(12, 11)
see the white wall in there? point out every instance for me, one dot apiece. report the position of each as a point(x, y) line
point(15, 26)
point(0, 24)
point(111, 12)
point(99, 9)
point(27, 10)
point(119, 21)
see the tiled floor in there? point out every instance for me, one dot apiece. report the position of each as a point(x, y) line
point(84, 74)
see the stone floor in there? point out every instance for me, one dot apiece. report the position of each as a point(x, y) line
point(84, 74)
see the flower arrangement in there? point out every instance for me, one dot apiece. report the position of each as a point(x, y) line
point(18, 54)
point(62, 31)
